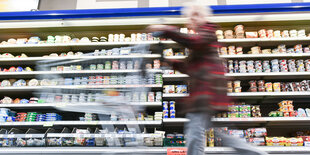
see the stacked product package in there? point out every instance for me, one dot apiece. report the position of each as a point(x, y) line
point(267, 66)
point(241, 110)
point(281, 49)
point(169, 109)
point(240, 33)
point(234, 86)
point(286, 109)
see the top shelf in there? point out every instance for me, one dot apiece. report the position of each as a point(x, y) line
point(81, 44)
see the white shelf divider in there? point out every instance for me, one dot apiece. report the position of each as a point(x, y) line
point(175, 75)
point(77, 123)
point(244, 120)
point(267, 74)
point(262, 119)
point(77, 72)
point(175, 120)
point(84, 44)
point(30, 88)
point(38, 105)
point(260, 94)
point(141, 150)
point(82, 57)
point(176, 57)
point(266, 55)
point(263, 40)
point(175, 95)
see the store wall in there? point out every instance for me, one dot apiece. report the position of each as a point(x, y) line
point(103, 4)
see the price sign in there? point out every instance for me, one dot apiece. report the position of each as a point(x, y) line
point(48, 124)
point(11, 136)
point(177, 151)
point(28, 136)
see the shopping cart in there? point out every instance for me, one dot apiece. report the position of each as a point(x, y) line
point(94, 93)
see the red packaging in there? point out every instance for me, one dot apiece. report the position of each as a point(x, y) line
point(91, 80)
point(156, 64)
point(252, 83)
point(286, 114)
point(99, 79)
point(115, 65)
point(269, 33)
point(251, 34)
point(262, 33)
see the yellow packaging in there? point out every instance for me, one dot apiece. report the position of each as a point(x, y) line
point(211, 133)
point(269, 141)
point(276, 87)
point(211, 142)
point(268, 86)
point(282, 103)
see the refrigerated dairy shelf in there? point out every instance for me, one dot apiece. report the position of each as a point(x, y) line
point(141, 150)
point(270, 94)
point(175, 75)
point(32, 88)
point(50, 105)
point(53, 45)
point(269, 75)
point(280, 55)
point(82, 57)
point(262, 119)
point(175, 95)
point(245, 120)
point(176, 57)
point(175, 120)
point(77, 72)
point(79, 123)
point(263, 40)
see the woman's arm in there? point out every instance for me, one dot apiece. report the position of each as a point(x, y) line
point(205, 36)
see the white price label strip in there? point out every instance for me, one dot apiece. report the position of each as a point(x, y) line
point(48, 124)
point(28, 136)
point(11, 136)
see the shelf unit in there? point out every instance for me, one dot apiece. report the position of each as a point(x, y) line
point(246, 120)
point(269, 94)
point(51, 105)
point(75, 72)
point(282, 55)
point(119, 23)
point(79, 123)
point(141, 150)
point(33, 88)
point(175, 95)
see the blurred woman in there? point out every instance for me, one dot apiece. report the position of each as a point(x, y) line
point(207, 83)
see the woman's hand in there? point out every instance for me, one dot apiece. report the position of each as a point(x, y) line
point(153, 28)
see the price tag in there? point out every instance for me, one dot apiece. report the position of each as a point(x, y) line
point(1, 136)
point(98, 135)
point(129, 135)
point(296, 54)
point(61, 104)
point(94, 122)
point(177, 151)
point(11, 136)
point(108, 135)
point(307, 144)
point(28, 136)
point(48, 124)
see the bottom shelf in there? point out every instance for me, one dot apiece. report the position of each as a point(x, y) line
point(141, 150)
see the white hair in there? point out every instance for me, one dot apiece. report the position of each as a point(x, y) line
point(203, 10)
